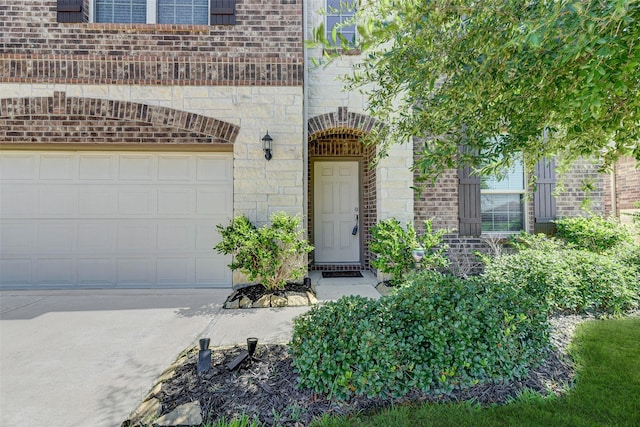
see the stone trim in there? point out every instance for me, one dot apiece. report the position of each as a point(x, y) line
point(150, 70)
point(20, 116)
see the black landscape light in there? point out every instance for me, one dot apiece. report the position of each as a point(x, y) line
point(252, 343)
point(204, 356)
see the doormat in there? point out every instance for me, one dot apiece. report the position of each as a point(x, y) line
point(334, 274)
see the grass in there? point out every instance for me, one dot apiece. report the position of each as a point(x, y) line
point(607, 391)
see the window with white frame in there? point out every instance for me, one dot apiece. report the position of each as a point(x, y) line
point(121, 11)
point(340, 12)
point(502, 200)
point(195, 12)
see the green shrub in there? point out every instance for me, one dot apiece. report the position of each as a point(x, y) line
point(568, 280)
point(272, 254)
point(393, 245)
point(435, 333)
point(595, 233)
point(542, 242)
point(338, 343)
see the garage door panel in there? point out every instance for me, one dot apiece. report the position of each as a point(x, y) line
point(135, 271)
point(177, 201)
point(137, 237)
point(96, 271)
point(55, 271)
point(57, 201)
point(56, 237)
point(109, 219)
point(213, 168)
point(176, 271)
point(177, 236)
point(59, 167)
point(97, 236)
point(97, 201)
point(18, 167)
point(213, 202)
point(137, 201)
point(17, 271)
point(175, 167)
point(213, 271)
point(97, 167)
point(18, 201)
point(137, 167)
point(18, 237)
point(207, 235)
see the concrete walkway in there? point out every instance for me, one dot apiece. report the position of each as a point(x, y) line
point(88, 357)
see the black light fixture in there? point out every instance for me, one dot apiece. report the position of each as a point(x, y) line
point(266, 146)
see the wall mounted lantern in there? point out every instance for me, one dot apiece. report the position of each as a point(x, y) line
point(266, 146)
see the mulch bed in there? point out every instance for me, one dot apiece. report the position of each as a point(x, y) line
point(255, 292)
point(265, 388)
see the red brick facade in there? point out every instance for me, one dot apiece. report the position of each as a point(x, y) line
point(627, 186)
point(263, 48)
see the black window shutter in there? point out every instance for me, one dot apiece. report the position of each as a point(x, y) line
point(544, 203)
point(469, 213)
point(69, 10)
point(223, 12)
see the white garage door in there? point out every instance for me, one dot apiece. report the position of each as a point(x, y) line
point(113, 219)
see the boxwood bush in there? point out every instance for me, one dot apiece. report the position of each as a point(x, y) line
point(570, 280)
point(435, 333)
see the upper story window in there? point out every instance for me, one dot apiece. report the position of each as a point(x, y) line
point(194, 12)
point(121, 11)
point(340, 13)
point(183, 12)
point(502, 200)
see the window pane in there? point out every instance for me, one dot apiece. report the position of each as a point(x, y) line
point(337, 12)
point(183, 12)
point(121, 11)
point(502, 212)
point(512, 180)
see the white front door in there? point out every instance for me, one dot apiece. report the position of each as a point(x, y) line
point(336, 212)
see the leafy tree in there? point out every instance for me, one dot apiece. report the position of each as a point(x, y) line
point(540, 77)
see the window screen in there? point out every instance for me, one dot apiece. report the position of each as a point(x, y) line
point(121, 11)
point(183, 12)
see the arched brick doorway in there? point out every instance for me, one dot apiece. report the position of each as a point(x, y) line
point(335, 140)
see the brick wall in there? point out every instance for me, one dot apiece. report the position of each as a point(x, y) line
point(627, 186)
point(263, 48)
point(59, 119)
point(582, 191)
point(439, 202)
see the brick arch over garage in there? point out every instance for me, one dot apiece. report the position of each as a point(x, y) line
point(59, 119)
point(338, 136)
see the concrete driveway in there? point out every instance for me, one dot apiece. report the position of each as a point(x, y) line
point(87, 358)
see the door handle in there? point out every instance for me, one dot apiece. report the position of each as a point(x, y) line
point(355, 227)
